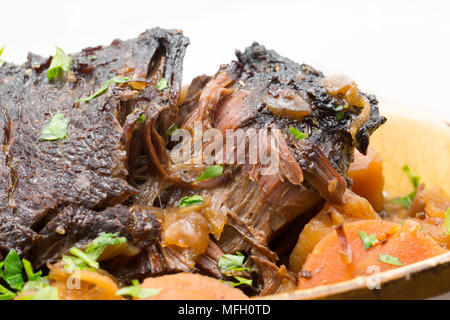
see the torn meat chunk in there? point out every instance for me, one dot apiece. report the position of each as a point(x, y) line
point(264, 91)
point(77, 226)
point(88, 169)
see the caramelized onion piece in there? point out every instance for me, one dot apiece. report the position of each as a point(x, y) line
point(83, 284)
point(362, 118)
point(343, 87)
point(288, 104)
point(138, 85)
point(186, 228)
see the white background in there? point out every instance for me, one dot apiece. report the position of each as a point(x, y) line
point(398, 50)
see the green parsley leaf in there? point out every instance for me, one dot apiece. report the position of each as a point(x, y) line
point(72, 264)
point(92, 57)
point(241, 281)
point(415, 180)
point(211, 172)
point(231, 265)
point(61, 62)
point(367, 241)
point(447, 220)
point(340, 115)
point(406, 201)
point(35, 285)
point(390, 260)
point(104, 88)
point(141, 118)
point(88, 259)
point(135, 290)
point(2, 274)
point(297, 133)
point(31, 276)
point(119, 80)
point(45, 293)
point(189, 201)
point(163, 83)
point(2, 62)
point(13, 270)
point(56, 128)
point(171, 130)
point(340, 108)
point(96, 94)
point(230, 261)
point(96, 247)
point(6, 294)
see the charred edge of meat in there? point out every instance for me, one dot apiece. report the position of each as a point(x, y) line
point(375, 121)
point(256, 60)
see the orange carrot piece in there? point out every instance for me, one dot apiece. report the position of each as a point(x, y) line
point(354, 208)
point(367, 175)
point(190, 286)
point(404, 242)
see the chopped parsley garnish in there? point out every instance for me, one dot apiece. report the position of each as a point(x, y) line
point(6, 294)
point(56, 128)
point(88, 259)
point(297, 133)
point(141, 118)
point(340, 110)
point(171, 130)
point(367, 241)
point(189, 201)
point(11, 272)
point(228, 261)
point(136, 291)
point(2, 62)
point(39, 286)
point(44, 293)
point(163, 83)
point(211, 172)
point(447, 221)
point(408, 199)
point(92, 57)
point(104, 88)
point(390, 260)
point(233, 265)
point(61, 63)
point(31, 276)
point(241, 281)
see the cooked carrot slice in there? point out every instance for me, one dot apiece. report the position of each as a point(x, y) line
point(367, 175)
point(406, 243)
point(190, 286)
point(354, 208)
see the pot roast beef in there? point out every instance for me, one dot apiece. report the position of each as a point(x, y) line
point(115, 172)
